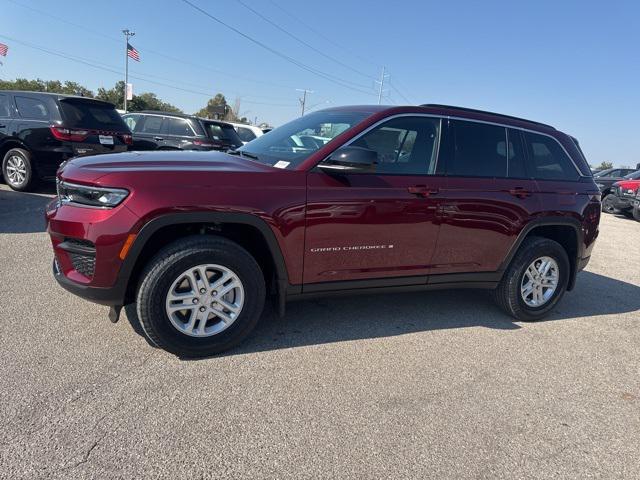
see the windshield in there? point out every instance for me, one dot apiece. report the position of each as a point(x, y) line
point(291, 144)
point(222, 133)
point(603, 173)
point(633, 176)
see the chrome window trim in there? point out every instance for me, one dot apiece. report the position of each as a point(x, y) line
point(449, 117)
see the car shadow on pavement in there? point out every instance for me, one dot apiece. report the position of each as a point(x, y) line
point(340, 319)
point(22, 212)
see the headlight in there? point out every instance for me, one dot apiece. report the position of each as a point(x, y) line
point(99, 197)
point(599, 185)
point(630, 191)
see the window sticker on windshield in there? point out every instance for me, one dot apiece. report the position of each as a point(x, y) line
point(282, 164)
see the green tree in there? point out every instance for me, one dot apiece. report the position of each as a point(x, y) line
point(144, 101)
point(217, 107)
point(52, 86)
point(604, 166)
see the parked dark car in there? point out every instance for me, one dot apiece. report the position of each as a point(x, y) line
point(153, 130)
point(612, 201)
point(39, 131)
point(635, 211)
point(417, 198)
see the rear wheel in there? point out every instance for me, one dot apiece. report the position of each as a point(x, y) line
point(636, 213)
point(608, 204)
point(17, 169)
point(200, 296)
point(535, 281)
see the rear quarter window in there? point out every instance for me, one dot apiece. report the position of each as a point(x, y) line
point(32, 108)
point(547, 159)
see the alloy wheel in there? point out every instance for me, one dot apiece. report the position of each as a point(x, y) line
point(16, 170)
point(539, 282)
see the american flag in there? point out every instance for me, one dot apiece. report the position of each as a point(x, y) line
point(133, 53)
point(3, 49)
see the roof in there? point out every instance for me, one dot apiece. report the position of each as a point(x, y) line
point(483, 112)
point(53, 94)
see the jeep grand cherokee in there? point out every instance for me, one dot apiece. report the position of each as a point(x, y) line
point(422, 197)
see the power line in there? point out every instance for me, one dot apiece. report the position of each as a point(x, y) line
point(303, 42)
point(316, 72)
point(113, 70)
point(323, 36)
point(400, 93)
point(148, 50)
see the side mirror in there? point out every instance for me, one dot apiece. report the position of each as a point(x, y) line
point(350, 159)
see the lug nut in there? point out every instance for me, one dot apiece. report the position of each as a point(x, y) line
point(195, 300)
point(214, 293)
point(202, 309)
point(202, 290)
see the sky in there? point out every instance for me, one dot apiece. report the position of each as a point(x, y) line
point(572, 64)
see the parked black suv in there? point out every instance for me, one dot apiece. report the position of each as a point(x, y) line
point(38, 131)
point(154, 130)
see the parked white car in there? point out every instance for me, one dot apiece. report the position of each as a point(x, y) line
point(247, 132)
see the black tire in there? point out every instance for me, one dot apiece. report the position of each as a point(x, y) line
point(168, 264)
point(508, 296)
point(636, 213)
point(608, 204)
point(29, 175)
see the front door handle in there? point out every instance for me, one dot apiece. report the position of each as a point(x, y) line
point(519, 192)
point(158, 138)
point(422, 190)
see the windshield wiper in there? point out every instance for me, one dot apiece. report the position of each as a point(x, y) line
point(243, 154)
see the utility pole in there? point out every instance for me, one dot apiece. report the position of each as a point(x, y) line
point(381, 83)
point(303, 100)
point(127, 34)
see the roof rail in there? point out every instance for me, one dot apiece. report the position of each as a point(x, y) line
point(485, 112)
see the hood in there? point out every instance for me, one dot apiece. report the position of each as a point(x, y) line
point(93, 167)
point(633, 184)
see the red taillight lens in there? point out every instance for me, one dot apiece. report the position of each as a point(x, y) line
point(69, 134)
point(203, 143)
point(127, 139)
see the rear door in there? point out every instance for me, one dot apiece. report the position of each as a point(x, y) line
point(177, 134)
point(95, 126)
point(147, 132)
point(489, 196)
point(377, 226)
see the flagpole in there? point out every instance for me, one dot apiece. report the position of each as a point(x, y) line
point(127, 34)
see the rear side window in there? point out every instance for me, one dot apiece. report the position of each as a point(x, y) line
point(178, 126)
point(32, 108)
point(131, 121)
point(94, 115)
point(480, 150)
point(150, 124)
point(245, 134)
point(4, 106)
point(547, 159)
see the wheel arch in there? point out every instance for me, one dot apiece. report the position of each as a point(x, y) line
point(250, 231)
point(9, 144)
point(566, 231)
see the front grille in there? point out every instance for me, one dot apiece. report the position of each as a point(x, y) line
point(84, 264)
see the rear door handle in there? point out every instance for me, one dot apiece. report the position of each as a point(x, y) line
point(422, 190)
point(519, 192)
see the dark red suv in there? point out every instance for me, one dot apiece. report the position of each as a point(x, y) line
point(355, 198)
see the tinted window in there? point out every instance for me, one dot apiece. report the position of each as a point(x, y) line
point(84, 114)
point(223, 133)
point(131, 121)
point(516, 164)
point(151, 124)
point(32, 108)
point(178, 126)
point(547, 159)
point(405, 145)
point(480, 150)
point(4, 106)
point(245, 134)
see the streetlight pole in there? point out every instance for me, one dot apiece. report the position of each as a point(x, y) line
point(127, 35)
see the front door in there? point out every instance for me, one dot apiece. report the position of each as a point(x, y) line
point(378, 225)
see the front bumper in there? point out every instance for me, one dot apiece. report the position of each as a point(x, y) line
point(110, 296)
point(623, 203)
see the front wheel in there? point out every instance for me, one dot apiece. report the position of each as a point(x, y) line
point(200, 296)
point(535, 281)
point(608, 203)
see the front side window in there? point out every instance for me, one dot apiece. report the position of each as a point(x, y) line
point(406, 145)
point(131, 120)
point(479, 150)
point(291, 144)
point(150, 125)
point(547, 159)
point(32, 108)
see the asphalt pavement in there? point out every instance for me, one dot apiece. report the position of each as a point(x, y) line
point(414, 385)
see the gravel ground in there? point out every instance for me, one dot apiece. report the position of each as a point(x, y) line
point(416, 385)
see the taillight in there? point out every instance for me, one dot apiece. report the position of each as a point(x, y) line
point(127, 139)
point(69, 134)
point(203, 143)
